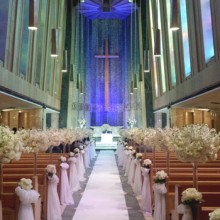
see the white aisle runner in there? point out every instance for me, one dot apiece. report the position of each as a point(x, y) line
point(103, 198)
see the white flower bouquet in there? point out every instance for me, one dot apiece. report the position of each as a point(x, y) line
point(147, 163)
point(130, 148)
point(160, 177)
point(215, 215)
point(51, 169)
point(82, 122)
point(25, 183)
point(63, 159)
point(131, 122)
point(76, 150)
point(71, 154)
point(139, 156)
point(191, 196)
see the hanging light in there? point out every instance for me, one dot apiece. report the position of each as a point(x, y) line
point(64, 69)
point(146, 60)
point(135, 81)
point(71, 73)
point(132, 88)
point(54, 42)
point(140, 73)
point(78, 81)
point(174, 22)
point(32, 23)
point(81, 87)
point(157, 51)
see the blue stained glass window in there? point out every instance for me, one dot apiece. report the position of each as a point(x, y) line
point(162, 71)
point(3, 26)
point(207, 29)
point(185, 38)
point(171, 46)
point(40, 40)
point(156, 87)
point(25, 33)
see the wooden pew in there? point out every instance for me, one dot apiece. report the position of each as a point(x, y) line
point(16, 170)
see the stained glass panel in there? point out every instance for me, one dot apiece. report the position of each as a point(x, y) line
point(3, 27)
point(171, 46)
point(25, 33)
point(207, 29)
point(185, 38)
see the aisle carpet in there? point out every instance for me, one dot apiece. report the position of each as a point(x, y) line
point(103, 198)
point(101, 194)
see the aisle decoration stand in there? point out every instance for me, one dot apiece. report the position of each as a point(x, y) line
point(146, 193)
point(190, 200)
point(27, 196)
point(53, 201)
point(159, 195)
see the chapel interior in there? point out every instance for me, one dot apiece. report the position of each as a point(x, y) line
point(107, 62)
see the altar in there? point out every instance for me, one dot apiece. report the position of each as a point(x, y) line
point(106, 136)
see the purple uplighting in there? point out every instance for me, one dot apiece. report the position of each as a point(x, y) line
point(117, 9)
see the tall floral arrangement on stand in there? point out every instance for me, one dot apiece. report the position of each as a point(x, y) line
point(11, 145)
point(34, 141)
point(196, 144)
point(162, 141)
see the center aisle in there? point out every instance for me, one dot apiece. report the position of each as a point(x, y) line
point(103, 198)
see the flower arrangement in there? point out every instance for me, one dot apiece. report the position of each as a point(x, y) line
point(11, 145)
point(130, 148)
point(34, 140)
point(74, 154)
point(191, 196)
point(71, 154)
point(147, 163)
point(51, 169)
point(63, 159)
point(139, 156)
point(133, 153)
point(160, 177)
point(196, 143)
point(25, 183)
point(131, 122)
point(76, 150)
point(81, 147)
point(82, 122)
point(162, 139)
point(215, 215)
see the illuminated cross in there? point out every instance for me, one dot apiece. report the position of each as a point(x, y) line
point(106, 56)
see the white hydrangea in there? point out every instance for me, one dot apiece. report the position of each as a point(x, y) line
point(215, 215)
point(25, 183)
point(51, 168)
point(191, 194)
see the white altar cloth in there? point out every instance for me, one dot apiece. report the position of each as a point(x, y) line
point(106, 138)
